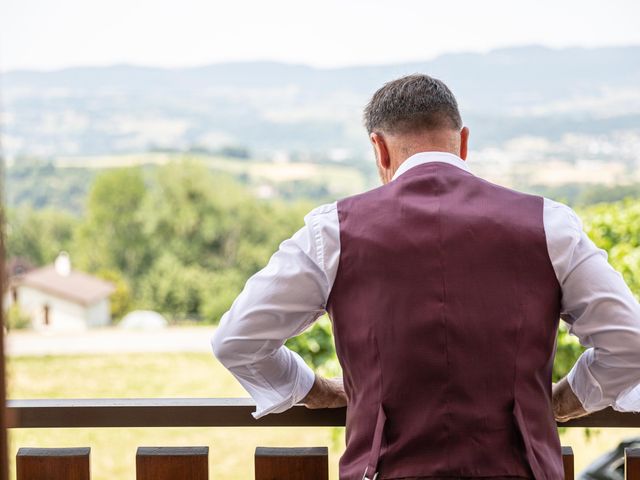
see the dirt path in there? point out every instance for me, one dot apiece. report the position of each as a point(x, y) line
point(109, 340)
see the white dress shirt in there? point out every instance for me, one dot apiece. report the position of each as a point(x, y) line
point(290, 293)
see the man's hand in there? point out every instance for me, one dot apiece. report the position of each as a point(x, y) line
point(566, 405)
point(326, 393)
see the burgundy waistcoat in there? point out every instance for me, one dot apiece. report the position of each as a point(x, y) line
point(445, 309)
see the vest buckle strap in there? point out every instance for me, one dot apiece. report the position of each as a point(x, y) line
point(375, 447)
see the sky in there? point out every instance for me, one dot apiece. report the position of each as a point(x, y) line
point(53, 34)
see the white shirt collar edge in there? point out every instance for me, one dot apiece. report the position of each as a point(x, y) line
point(425, 157)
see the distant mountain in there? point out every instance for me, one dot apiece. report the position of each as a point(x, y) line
point(269, 106)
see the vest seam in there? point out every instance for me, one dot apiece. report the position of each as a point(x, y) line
point(383, 440)
point(443, 316)
point(522, 318)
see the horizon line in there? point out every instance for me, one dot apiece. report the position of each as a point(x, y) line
point(309, 65)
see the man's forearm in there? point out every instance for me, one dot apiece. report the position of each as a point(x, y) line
point(326, 393)
point(565, 403)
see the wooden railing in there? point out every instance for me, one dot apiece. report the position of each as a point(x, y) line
point(171, 463)
point(4, 460)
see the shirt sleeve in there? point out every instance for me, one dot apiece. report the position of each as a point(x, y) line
point(600, 310)
point(279, 302)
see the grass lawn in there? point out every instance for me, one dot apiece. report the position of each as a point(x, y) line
point(182, 375)
point(149, 375)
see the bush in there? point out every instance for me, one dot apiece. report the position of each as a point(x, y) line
point(315, 346)
point(17, 319)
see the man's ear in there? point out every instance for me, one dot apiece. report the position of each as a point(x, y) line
point(382, 152)
point(464, 142)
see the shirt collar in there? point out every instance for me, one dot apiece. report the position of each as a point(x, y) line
point(424, 157)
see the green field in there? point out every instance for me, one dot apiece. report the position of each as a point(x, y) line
point(149, 375)
point(181, 375)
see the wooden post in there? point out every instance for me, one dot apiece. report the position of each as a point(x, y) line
point(632, 463)
point(567, 463)
point(4, 453)
point(292, 463)
point(172, 463)
point(53, 464)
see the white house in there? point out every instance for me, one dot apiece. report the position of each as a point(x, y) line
point(58, 297)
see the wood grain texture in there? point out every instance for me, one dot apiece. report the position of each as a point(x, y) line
point(567, 463)
point(209, 412)
point(292, 463)
point(4, 450)
point(161, 412)
point(632, 463)
point(53, 464)
point(172, 463)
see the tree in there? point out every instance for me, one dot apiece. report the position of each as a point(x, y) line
point(173, 288)
point(39, 235)
point(112, 235)
point(316, 347)
point(208, 234)
point(121, 298)
point(614, 227)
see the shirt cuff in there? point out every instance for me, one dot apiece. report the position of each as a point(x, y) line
point(584, 384)
point(304, 381)
point(628, 400)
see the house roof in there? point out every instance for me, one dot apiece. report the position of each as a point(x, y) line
point(78, 287)
point(17, 266)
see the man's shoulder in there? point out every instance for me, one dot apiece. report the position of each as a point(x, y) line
point(555, 213)
point(559, 215)
point(322, 217)
point(506, 189)
point(323, 210)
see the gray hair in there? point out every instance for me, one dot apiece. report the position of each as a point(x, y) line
point(412, 103)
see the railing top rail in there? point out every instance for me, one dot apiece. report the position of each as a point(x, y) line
point(160, 412)
point(207, 412)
